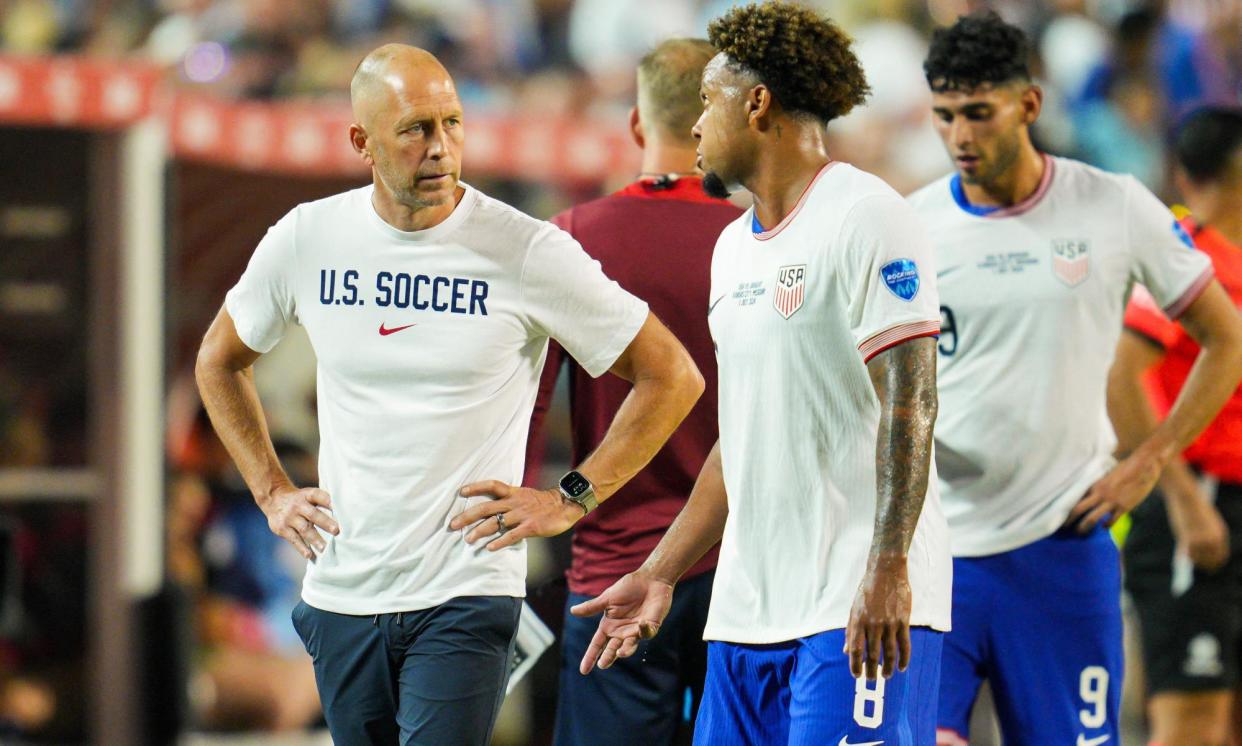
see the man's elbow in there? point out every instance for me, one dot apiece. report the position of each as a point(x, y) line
point(204, 363)
point(212, 359)
point(1225, 343)
point(687, 379)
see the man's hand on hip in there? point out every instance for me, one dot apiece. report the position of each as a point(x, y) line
point(293, 514)
point(515, 513)
point(633, 608)
point(1116, 493)
point(879, 626)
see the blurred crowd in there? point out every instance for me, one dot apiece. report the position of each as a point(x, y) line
point(1116, 73)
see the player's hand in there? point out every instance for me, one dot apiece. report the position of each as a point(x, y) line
point(527, 512)
point(294, 513)
point(1200, 530)
point(1116, 493)
point(879, 627)
point(633, 609)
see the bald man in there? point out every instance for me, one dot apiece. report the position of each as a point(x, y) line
point(430, 307)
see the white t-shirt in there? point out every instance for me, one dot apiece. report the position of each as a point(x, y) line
point(796, 313)
point(1032, 299)
point(430, 346)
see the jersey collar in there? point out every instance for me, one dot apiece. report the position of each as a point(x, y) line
point(997, 211)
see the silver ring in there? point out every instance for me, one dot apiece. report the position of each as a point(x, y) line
point(500, 522)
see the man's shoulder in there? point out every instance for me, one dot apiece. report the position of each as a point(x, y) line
point(850, 194)
point(621, 205)
point(617, 223)
point(1083, 178)
point(934, 196)
point(494, 217)
point(333, 204)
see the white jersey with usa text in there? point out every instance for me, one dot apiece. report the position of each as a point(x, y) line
point(796, 313)
point(430, 346)
point(1032, 298)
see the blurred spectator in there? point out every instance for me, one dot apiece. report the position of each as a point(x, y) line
point(1186, 65)
point(44, 621)
point(254, 673)
point(1123, 133)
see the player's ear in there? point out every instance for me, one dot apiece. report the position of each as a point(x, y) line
point(759, 102)
point(358, 140)
point(1032, 103)
point(636, 128)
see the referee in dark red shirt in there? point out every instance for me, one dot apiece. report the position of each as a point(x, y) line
point(655, 237)
point(1183, 555)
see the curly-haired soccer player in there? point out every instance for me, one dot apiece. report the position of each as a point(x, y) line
point(1035, 256)
point(835, 563)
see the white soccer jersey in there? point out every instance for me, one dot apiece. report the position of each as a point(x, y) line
point(796, 313)
point(430, 346)
point(1032, 299)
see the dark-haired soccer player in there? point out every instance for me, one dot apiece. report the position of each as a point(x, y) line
point(835, 559)
point(1035, 256)
point(1191, 619)
point(655, 239)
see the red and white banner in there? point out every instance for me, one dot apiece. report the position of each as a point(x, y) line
point(293, 137)
point(75, 92)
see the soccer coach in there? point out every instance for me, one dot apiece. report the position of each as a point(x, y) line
point(430, 307)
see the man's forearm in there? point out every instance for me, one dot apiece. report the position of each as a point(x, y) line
point(1212, 380)
point(1213, 322)
point(233, 404)
point(1131, 412)
point(905, 382)
point(698, 527)
point(650, 413)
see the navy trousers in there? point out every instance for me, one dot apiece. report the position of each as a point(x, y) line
point(434, 676)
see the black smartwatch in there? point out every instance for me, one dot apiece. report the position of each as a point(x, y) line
point(578, 490)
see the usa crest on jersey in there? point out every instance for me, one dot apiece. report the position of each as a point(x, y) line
point(790, 289)
point(1070, 260)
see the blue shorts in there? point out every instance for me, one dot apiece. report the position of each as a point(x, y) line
point(1042, 623)
point(801, 693)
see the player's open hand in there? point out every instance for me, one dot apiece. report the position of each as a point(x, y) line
point(293, 514)
point(1116, 493)
point(633, 609)
point(878, 634)
point(514, 514)
point(1200, 530)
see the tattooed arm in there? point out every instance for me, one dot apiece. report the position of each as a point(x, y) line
point(904, 378)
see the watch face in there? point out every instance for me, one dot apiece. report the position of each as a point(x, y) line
point(574, 484)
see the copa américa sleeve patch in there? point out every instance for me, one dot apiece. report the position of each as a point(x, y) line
point(901, 277)
point(1180, 231)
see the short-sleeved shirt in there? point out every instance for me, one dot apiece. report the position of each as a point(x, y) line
point(429, 344)
point(1032, 299)
point(797, 311)
point(1218, 450)
point(655, 238)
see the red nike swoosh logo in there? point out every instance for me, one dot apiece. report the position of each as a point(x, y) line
point(385, 332)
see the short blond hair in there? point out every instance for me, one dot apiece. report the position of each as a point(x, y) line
point(668, 85)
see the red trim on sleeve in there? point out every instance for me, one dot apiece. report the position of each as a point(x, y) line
point(896, 335)
point(1179, 306)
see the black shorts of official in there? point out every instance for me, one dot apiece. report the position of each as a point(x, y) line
point(433, 677)
point(1190, 620)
